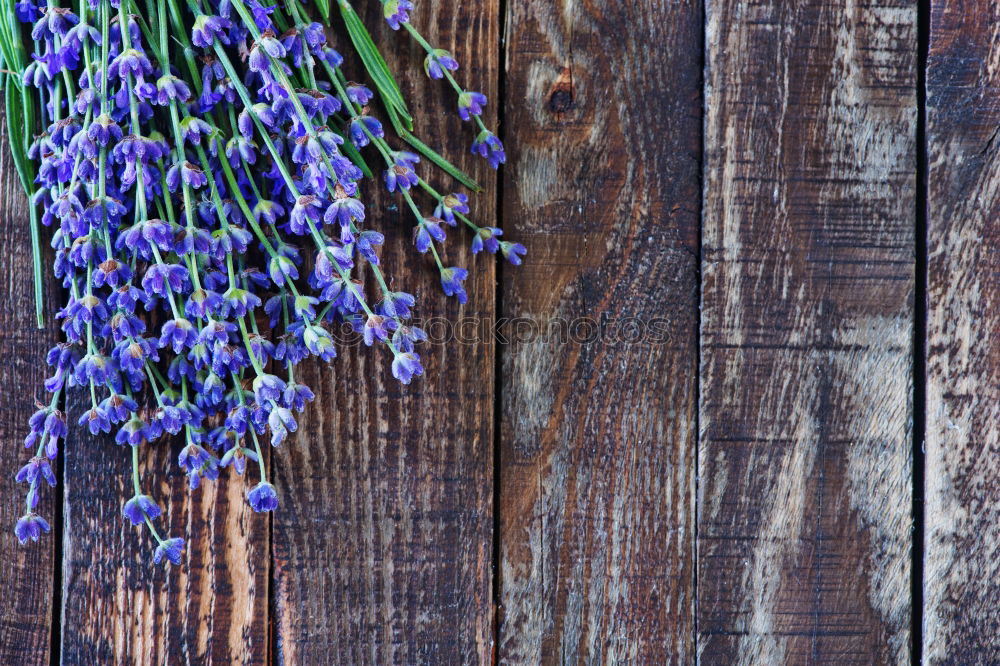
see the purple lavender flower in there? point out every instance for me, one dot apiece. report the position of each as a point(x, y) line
point(112, 272)
point(438, 61)
point(358, 93)
point(140, 507)
point(187, 173)
point(89, 309)
point(315, 36)
point(406, 337)
point(237, 419)
point(171, 549)
point(451, 282)
point(207, 29)
point(377, 327)
point(397, 304)
point(203, 303)
point(429, 228)
point(104, 130)
point(142, 236)
point(169, 419)
point(396, 12)
point(130, 62)
point(319, 342)
point(513, 252)
point(237, 302)
point(263, 497)
point(179, 334)
point(55, 424)
point(343, 210)
point(198, 463)
point(26, 11)
point(210, 391)
point(361, 126)
point(268, 212)
point(242, 147)
point(451, 204)
point(406, 365)
point(268, 45)
point(92, 366)
point(470, 104)
point(488, 145)
point(268, 387)
point(231, 240)
point(37, 467)
point(282, 270)
point(237, 456)
point(55, 21)
point(160, 279)
point(281, 422)
point(118, 407)
point(216, 332)
point(296, 396)
point(127, 297)
point(96, 419)
point(308, 208)
point(486, 238)
point(30, 526)
point(400, 176)
point(169, 87)
point(193, 240)
point(405, 158)
point(132, 432)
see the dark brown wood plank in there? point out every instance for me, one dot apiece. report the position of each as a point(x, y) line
point(28, 571)
point(598, 430)
point(962, 472)
point(808, 280)
point(120, 608)
point(383, 541)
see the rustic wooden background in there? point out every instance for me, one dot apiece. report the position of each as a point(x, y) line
point(803, 468)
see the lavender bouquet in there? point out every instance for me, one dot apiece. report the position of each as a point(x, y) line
point(207, 218)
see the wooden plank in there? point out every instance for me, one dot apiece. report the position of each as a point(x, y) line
point(962, 493)
point(598, 430)
point(807, 295)
point(383, 540)
point(26, 601)
point(120, 608)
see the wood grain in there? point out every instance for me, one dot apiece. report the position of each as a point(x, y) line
point(383, 542)
point(598, 415)
point(962, 478)
point(26, 573)
point(120, 608)
point(807, 295)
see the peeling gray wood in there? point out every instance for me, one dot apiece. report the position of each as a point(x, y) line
point(962, 477)
point(598, 433)
point(807, 295)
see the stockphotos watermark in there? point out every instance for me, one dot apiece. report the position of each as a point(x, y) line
point(469, 330)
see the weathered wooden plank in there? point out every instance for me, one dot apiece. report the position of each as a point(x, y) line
point(28, 573)
point(598, 415)
point(120, 608)
point(383, 544)
point(962, 474)
point(807, 294)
